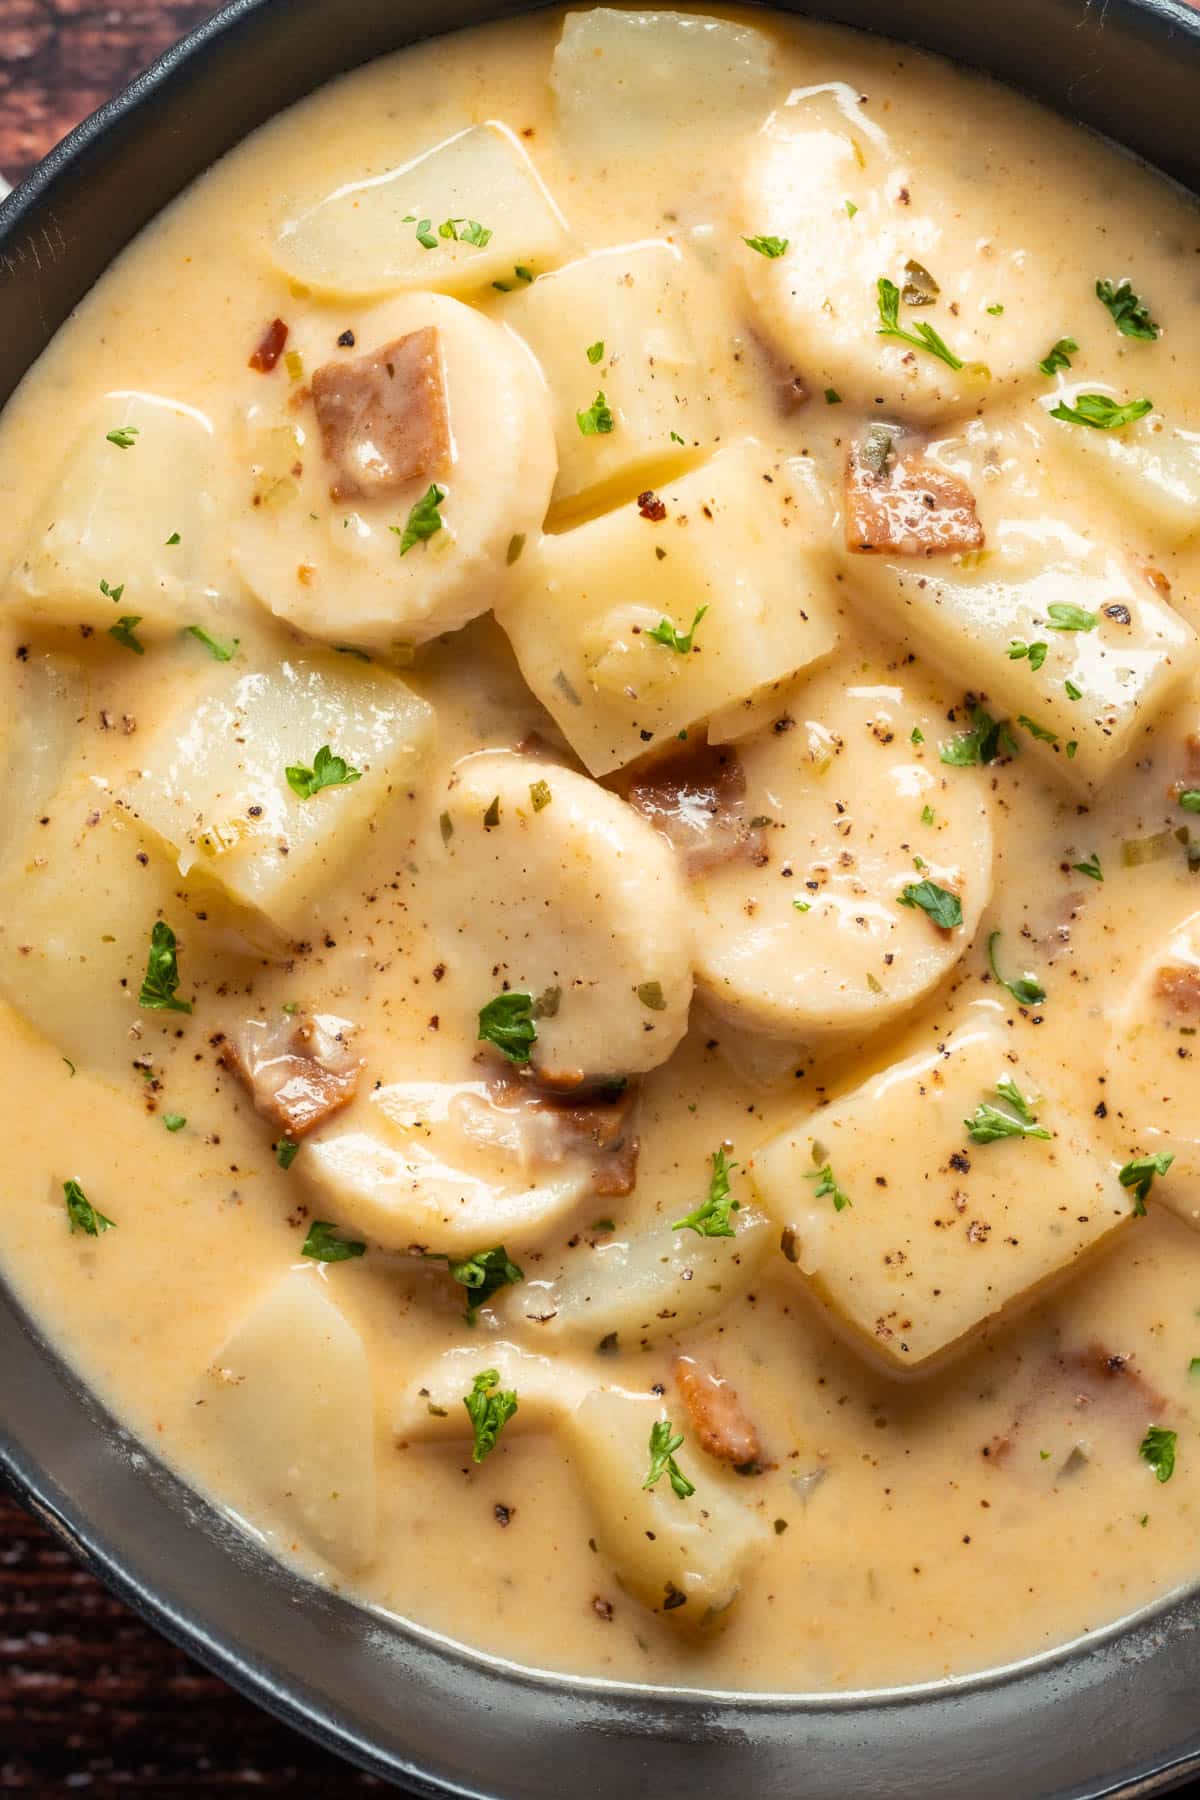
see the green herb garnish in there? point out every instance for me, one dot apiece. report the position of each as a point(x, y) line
point(488, 1411)
point(122, 631)
point(827, 1187)
point(595, 351)
point(769, 247)
point(982, 744)
point(991, 1122)
point(1036, 653)
point(711, 1218)
point(424, 520)
point(1129, 315)
point(1139, 1175)
point(1058, 356)
point(1091, 868)
point(222, 652)
point(597, 421)
point(323, 1244)
point(1158, 1449)
point(923, 338)
point(1100, 412)
point(162, 973)
point(664, 1442)
point(327, 770)
point(943, 907)
point(123, 436)
point(507, 1022)
point(482, 1274)
point(1062, 616)
point(1026, 990)
point(672, 638)
point(81, 1214)
point(174, 1121)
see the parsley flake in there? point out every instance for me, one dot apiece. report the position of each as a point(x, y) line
point(1091, 868)
point(123, 436)
point(507, 1022)
point(1026, 990)
point(595, 351)
point(327, 770)
point(770, 247)
point(286, 1152)
point(489, 1411)
point(539, 793)
point(482, 1274)
point(711, 1218)
point(471, 232)
point(112, 593)
point(1062, 616)
point(664, 1442)
point(424, 520)
point(162, 973)
point(122, 631)
point(174, 1121)
point(1139, 1175)
point(1129, 315)
point(1058, 356)
point(990, 1122)
point(943, 907)
point(323, 1244)
point(597, 421)
point(672, 638)
point(987, 739)
point(923, 338)
point(832, 397)
point(1158, 1449)
point(1189, 799)
point(81, 1214)
point(221, 652)
point(827, 1187)
point(1102, 413)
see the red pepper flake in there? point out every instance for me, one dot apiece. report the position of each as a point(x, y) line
point(651, 507)
point(270, 347)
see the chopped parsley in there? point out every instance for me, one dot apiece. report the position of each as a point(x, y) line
point(851, 209)
point(675, 438)
point(1071, 691)
point(1129, 315)
point(222, 652)
point(923, 338)
point(489, 1411)
point(1058, 356)
point(507, 1022)
point(112, 593)
point(539, 793)
point(1041, 732)
point(482, 1274)
point(424, 520)
point(672, 638)
point(1026, 990)
point(1036, 653)
point(162, 973)
point(324, 1245)
point(595, 351)
point(916, 735)
point(651, 996)
point(990, 1122)
point(1062, 616)
point(769, 247)
point(1091, 868)
point(986, 740)
point(327, 770)
point(286, 1152)
point(1189, 799)
point(174, 1121)
point(802, 905)
point(122, 631)
point(472, 232)
point(597, 421)
point(827, 1187)
point(1139, 1175)
point(995, 310)
point(521, 273)
point(123, 436)
point(711, 1218)
point(81, 1214)
point(664, 1442)
point(927, 815)
point(943, 907)
point(172, 540)
point(832, 397)
point(1100, 412)
point(1158, 1449)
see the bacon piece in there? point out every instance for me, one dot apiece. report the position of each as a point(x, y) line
point(298, 1072)
point(897, 501)
point(696, 798)
point(1179, 985)
point(269, 348)
point(599, 1126)
point(1063, 1386)
point(383, 416)
point(718, 1421)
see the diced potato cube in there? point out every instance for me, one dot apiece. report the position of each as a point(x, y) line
point(641, 305)
point(941, 1235)
point(430, 1404)
point(289, 1406)
point(213, 784)
point(369, 237)
point(683, 1559)
point(631, 80)
point(582, 624)
point(1150, 467)
point(103, 546)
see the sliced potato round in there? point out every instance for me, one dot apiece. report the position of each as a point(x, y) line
point(1153, 1090)
point(815, 926)
point(554, 888)
point(430, 1405)
point(343, 568)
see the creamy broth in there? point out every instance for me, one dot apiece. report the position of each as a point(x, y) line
point(948, 686)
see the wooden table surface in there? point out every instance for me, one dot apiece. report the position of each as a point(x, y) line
point(92, 1700)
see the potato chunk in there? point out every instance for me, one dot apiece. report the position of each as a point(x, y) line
point(643, 305)
point(629, 80)
point(554, 888)
point(934, 1235)
point(684, 1559)
point(818, 301)
point(213, 783)
point(808, 939)
point(1150, 467)
point(289, 1407)
point(430, 1405)
point(126, 529)
point(384, 509)
point(1153, 1091)
point(1068, 637)
point(583, 623)
point(366, 237)
point(448, 1167)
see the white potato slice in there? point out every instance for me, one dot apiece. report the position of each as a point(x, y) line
point(968, 612)
point(806, 937)
point(49, 708)
point(336, 569)
point(629, 81)
point(99, 550)
point(937, 1236)
point(683, 1559)
point(638, 1289)
point(1153, 1090)
point(79, 896)
point(576, 898)
point(1150, 467)
point(581, 623)
point(360, 240)
point(645, 305)
point(289, 1407)
point(854, 204)
point(430, 1406)
point(442, 1166)
point(212, 782)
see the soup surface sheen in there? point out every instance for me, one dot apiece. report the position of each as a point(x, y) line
point(614, 818)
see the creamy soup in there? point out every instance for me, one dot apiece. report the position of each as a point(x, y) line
point(600, 887)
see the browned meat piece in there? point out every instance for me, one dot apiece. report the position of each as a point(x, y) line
point(269, 348)
point(601, 1126)
point(898, 502)
point(383, 416)
point(696, 798)
point(298, 1072)
point(1179, 985)
point(720, 1426)
point(1069, 1390)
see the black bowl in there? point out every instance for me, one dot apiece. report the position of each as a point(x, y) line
point(1115, 1714)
